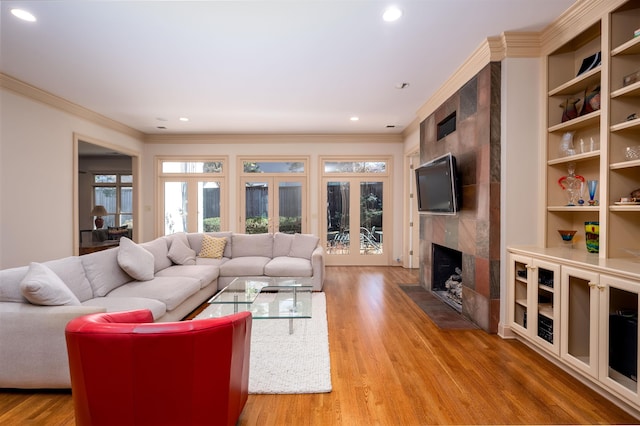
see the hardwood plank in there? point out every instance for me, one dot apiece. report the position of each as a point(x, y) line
point(391, 365)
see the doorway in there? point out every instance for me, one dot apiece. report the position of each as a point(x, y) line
point(93, 157)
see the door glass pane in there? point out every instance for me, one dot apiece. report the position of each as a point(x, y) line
point(290, 207)
point(175, 207)
point(579, 316)
point(208, 206)
point(338, 217)
point(370, 217)
point(623, 337)
point(256, 207)
point(126, 206)
point(107, 197)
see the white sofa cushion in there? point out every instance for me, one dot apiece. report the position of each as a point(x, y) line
point(41, 286)
point(303, 245)
point(136, 261)
point(10, 284)
point(244, 245)
point(159, 248)
point(244, 266)
point(180, 253)
point(103, 271)
point(282, 244)
point(205, 274)
point(116, 304)
point(288, 267)
point(168, 290)
point(71, 272)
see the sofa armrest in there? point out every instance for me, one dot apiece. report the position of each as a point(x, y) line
point(317, 265)
point(33, 351)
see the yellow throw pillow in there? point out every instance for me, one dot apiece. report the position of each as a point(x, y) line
point(212, 247)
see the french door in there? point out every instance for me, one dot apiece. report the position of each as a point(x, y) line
point(273, 204)
point(354, 220)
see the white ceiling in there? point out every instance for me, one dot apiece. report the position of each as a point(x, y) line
point(292, 66)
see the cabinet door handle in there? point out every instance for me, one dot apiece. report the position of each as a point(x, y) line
point(592, 284)
point(531, 268)
point(601, 287)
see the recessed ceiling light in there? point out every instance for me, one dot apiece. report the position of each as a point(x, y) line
point(354, 118)
point(392, 13)
point(185, 119)
point(23, 14)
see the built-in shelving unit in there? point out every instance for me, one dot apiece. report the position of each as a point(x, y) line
point(588, 317)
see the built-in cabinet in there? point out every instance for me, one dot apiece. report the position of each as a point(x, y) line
point(586, 317)
point(577, 305)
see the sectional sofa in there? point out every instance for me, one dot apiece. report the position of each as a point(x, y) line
point(171, 276)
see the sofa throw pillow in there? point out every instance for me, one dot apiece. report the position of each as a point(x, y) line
point(303, 245)
point(181, 254)
point(136, 261)
point(212, 247)
point(41, 286)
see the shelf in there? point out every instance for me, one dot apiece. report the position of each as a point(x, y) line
point(522, 302)
point(589, 120)
point(631, 125)
point(522, 280)
point(546, 288)
point(625, 165)
point(622, 208)
point(573, 209)
point(574, 158)
point(631, 47)
point(546, 310)
point(631, 90)
point(577, 84)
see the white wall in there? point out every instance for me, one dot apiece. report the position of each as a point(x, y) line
point(36, 177)
point(313, 149)
point(520, 158)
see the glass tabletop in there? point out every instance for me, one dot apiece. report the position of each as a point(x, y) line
point(292, 302)
point(246, 289)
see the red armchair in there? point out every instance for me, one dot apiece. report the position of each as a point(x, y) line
point(127, 370)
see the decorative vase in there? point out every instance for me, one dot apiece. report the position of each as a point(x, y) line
point(566, 145)
point(99, 222)
point(592, 236)
point(592, 185)
point(572, 184)
point(591, 100)
point(569, 110)
point(567, 237)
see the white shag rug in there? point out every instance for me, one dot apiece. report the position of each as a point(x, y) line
point(283, 363)
point(291, 363)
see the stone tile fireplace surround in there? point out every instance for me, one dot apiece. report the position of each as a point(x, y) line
point(475, 230)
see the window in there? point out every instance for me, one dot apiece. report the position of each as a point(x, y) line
point(114, 191)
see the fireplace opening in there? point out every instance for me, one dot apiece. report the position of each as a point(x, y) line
point(446, 282)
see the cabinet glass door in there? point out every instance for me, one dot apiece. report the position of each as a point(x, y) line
point(619, 331)
point(546, 284)
point(519, 298)
point(579, 337)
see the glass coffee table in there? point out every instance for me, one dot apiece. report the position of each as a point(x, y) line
point(265, 297)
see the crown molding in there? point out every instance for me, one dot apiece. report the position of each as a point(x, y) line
point(272, 138)
point(39, 95)
point(577, 18)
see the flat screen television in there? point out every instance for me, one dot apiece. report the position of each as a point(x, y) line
point(437, 186)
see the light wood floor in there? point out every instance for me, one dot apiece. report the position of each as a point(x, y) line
point(390, 365)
